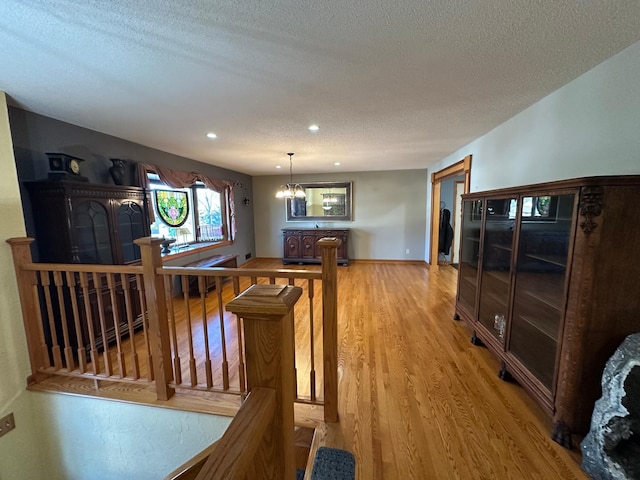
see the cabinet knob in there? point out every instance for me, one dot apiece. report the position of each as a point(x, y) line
point(291, 245)
point(307, 246)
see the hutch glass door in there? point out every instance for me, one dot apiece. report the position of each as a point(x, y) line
point(92, 232)
point(496, 265)
point(539, 300)
point(469, 254)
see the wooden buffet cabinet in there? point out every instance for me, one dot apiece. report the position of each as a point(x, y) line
point(549, 276)
point(300, 245)
point(85, 223)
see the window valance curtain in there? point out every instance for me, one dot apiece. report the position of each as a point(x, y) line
point(180, 179)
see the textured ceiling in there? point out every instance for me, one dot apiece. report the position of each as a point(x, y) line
point(392, 85)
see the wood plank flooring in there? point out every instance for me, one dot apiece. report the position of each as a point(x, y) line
point(416, 399)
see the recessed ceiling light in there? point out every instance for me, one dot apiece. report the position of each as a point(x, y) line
point(337, 164)
point(278, 166)
point(212, 135)
point(314, 128)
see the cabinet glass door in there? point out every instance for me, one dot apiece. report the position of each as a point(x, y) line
point(469, 254)
point(497, 250)
point(545, 233)
point(131, 226)
point(92, 233)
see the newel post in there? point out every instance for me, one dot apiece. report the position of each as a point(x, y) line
point(266, 311)
point(157, 315)
point(38, 353)
point(329, 248)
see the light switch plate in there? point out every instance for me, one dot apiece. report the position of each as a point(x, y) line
point(7, 423)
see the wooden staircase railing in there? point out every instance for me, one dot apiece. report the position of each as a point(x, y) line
point(148, 348)
point(259, 443)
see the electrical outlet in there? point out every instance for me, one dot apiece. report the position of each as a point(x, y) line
point(407, 251)
point(247, 256)
point(7, 423)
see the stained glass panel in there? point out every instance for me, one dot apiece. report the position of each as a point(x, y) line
point(172, 206)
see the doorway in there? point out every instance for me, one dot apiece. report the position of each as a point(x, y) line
point(461, 168)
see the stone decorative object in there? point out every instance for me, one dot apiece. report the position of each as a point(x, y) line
point(611, 449)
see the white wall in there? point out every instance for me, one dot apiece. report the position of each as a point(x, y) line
point(87, 438)
point(18, 457)
point(388, 214)
point(60, 436)
point(591, 126)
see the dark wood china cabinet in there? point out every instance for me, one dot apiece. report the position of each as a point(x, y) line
point(548, 281)
point(85, 223)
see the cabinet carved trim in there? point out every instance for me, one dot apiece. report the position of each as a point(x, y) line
point(590, 207)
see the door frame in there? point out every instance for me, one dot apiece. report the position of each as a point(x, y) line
point(461, 167)
point(457, 223)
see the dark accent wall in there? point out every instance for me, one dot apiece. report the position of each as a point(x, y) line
point(33, 135)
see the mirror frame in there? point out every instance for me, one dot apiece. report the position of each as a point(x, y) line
point(335, 218)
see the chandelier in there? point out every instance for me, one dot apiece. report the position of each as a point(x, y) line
point(290, 190)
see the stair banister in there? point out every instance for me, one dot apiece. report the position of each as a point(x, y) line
point(329, 248)
point(266, 314)
point(157, 315)
point(38, 353)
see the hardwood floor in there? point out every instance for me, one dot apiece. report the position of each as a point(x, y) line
point(416, 399)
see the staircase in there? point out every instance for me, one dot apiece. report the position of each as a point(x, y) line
point(314, 461)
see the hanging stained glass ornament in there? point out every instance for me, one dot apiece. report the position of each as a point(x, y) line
point(172, 206)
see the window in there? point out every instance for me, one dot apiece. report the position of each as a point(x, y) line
point(535, 208)
point(202, 219)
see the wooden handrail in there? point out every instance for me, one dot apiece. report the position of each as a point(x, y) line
point(240, 448)
point(242, 272)
point(190, 469)
point(82, 267)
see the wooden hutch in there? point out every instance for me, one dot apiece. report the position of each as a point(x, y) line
point(549, 277)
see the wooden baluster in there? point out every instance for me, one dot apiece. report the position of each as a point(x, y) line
point(223, 340)
point(157, 312)
point(272, 280)
point(82, 353)
point(55, 347)
point(202, 288)
point(93, 350)
point(68, 351)
point(312, 373)
point(126, 290)
point(30, 304)
point(97, 285)
point(266, 311)
point(116, 324)
point(44, 348)
point(241, 379)
point(254, 280)
point(145, 326)
point(177, 368)
point(329, 248)
point(192, 360)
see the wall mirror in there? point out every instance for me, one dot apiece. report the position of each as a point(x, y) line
point(324, 201)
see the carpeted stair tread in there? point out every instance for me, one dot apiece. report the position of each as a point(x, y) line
point(333, 464)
